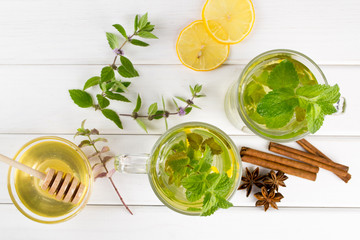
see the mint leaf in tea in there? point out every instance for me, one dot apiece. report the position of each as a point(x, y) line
point(199, 165)
point(285, 95)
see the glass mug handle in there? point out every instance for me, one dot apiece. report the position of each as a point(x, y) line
point(132, 163)
point(340, 106)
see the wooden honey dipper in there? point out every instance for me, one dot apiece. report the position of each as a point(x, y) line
point(66, 188)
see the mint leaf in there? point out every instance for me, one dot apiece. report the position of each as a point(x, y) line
point(125, 73)
point(112, 115)
point(278, 121)
point(138, 104)
point(188, 110)
point(204, 164)
point(159, 114)
point(145, 34)
point(165, 118)
point(177, 161)
point(195, 106)
point(148, 27)
point(81, 98)
point(112, 40)
point(318, 101)
point(103, 102)
point(118, 85)
point(143, 20)
point(209, 204)
point(176, 167)
point(127, 69)
point(179, 147)
point(91, 82)
point(126, 84)
point(215, 148)
point(253, 93)
point(175, 103)
point(327, 108)
point(182, 99)
point(136, 23)
point(214, 197)
point(212, 178)
point(141, 124)
point(194, 140)
point(139, 43)
point(195, 186)
point(152, 109)
point(320, 92)
point(121, 30)
point(283, 75)
point(312, 92)
point(107, 74)
point(193, 196)
point(314, 117)
point(223, 203)
point(331, 95)
point(253, 114)
point(277, 102)
point(223, 186)
point(116, 96)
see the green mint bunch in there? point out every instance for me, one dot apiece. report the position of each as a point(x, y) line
point(114, 80)
point(312, 102)
point(190, 167)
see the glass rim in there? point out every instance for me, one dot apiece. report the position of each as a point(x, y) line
point(209, 126)
point(41, 219)
point(240, 105)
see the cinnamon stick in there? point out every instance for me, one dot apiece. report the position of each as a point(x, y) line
point(280, 167)
point(274, 158)
point(306, 157)
point(312, 149)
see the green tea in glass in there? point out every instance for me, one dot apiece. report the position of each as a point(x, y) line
point(194, 168)
point(281, 95)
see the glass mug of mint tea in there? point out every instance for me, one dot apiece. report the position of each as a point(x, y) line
point(194, 168)
point(282, 95)
point(25, 191)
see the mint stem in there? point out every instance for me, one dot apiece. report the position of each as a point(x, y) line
point(157, 115)
point(110, 178)
point(126, 41)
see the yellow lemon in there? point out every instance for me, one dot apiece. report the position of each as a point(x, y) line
point(228, 21)
point(197, 50)
point(214, 169)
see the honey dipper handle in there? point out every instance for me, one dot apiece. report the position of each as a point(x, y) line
point(22, 167)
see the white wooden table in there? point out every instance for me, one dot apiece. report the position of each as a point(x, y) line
point(48, 47)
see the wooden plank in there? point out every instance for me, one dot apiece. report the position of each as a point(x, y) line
point(327, 191)
point(73, 32)
point(105, 222)
point(35, 99)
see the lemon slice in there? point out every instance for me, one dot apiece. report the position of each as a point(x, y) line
point(197, 50)
point(228, 21)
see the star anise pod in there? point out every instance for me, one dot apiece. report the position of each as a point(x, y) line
point(268, 198)
point(274, 180)
point(250, 179)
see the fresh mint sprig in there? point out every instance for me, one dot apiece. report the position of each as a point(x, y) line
point(154, 113)
point(99, 169)
point(190, 167)
point(278, 106)
point(113, 88)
